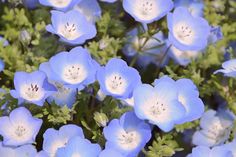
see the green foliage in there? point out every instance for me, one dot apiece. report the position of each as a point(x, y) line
point(163, 146)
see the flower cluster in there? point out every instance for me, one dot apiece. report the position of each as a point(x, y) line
point(161, 106)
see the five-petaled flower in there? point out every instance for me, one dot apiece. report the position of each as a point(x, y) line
point(74, 69)
point(19, 128)
point(32, 87)
point(72, 27)
point(117, 79)
point(128, 135)
point(159, 105)
point(187, 32)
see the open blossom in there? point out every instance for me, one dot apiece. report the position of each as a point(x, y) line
point(147, 11)
point(90, 9)
point(79, 147)
point(203, 151)
point(22, 151)
point(19, 127)
point(215, 129)
point(63, 5)
point(188, 96)
point(159, 105)
point(117, 79)
point(72, 27)
point(55, 139)
point(76, 69)
point(229, 68)
point(128, 135)
point(187, 32)
point(32, 87)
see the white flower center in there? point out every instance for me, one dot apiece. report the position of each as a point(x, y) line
point(116, 84)
point(146, 9)
point(129, 140)
point(216, 131)
point(74, 74)
point(20, 131)
point(156, 110)
point(60, 3)
point(184, 33)
point(69, 30)
point(31, 92)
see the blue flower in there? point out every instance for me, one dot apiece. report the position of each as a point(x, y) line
point(55, 139)
point(215, 129)
point(229, 68)
point(22, 151)
point(117, 79)
point(32, 87)
point(63, 5)
point(159, 105)
point(76, 69)
point(216, 34)
point(149, 51)
point(90, 9)
point(146, 11)
point(188, 96)
point(187, 32)
point(128, 135)
point(64, 95)
point(109, 1)
point(196, 7)
point(72, 27)
point(203, 151)
point(79, 147)
point(19, 128)
point(110, 152)
point(2, 65)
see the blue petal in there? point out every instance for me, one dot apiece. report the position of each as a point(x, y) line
point(70, 131)
point(109, 153)
point(193, 105)
point(201, 151)
point(91, 9)
point(26, 151)
point(112, 131)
